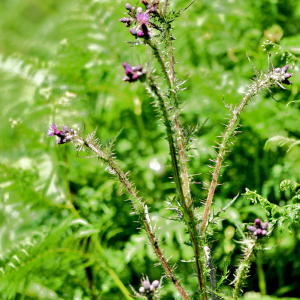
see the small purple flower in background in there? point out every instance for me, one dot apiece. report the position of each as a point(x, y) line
point(140, 18)
point(53, 130)
point(133, 73)
point(65, 135)
point(148, 288)
point(283, 75)
point(260, 229)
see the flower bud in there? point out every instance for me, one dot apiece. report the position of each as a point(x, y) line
point(155, 283)
point(128, 6)
point(146, 285)
point(124, 20)
point(264, 225)
point(258, 232)
point(257, 223)
point(141, 290)
point(139, 10)
point(251, 228)
point(133, 31)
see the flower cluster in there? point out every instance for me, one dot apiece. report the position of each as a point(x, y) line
point(281, 75)
point(260, 229)
point(133, 73)
point(147, 288)
point(65, 135)
point(141, 18)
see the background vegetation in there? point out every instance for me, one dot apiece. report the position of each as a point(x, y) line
point(61, 61)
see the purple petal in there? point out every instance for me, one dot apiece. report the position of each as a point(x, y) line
point(51, 131)
point(285, 68)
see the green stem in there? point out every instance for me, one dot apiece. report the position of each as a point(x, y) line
point(140, 209)
point(180, 165)
point(243, 269)
point(188, 213)
point(228, 134)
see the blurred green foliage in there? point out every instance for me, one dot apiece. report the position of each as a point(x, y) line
point(61, 61)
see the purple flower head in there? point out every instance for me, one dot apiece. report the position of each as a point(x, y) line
point(260, 229)
point(282, 75)
point(53, 130)
point(143, 19)
point(65, 135)
point(132, 73)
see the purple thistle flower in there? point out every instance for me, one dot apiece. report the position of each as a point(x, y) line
point(282, 75)
point(65, 135)
point(260, 229)
point(143, 19)
point(132, 73)
point(53, 130)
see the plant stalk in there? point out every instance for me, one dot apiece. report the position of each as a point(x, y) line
point(141, 210)
point(228, 134)
point(188, 214)
point(243, 269)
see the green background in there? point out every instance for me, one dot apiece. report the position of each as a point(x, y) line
point(61, 61)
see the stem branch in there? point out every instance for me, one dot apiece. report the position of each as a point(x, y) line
point(140, 209)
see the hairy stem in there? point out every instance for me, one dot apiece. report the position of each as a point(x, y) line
point(243, 269)
point(165, 7)
point(188, 213)
point(211, 271)
point(228, 134)
point(140, 209)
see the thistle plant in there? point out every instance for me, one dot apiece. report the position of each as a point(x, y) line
point(152, 29)
point(149, 25)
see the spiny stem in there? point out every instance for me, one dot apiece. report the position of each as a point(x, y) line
point(228, 134)
point(165, 7)
point(211, 271)
point(181, 178)
point(188, 214)
point(141, 210)
point(243, 269)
